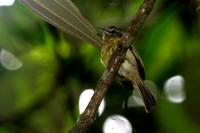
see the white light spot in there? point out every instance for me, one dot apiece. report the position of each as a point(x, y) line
point(85, 98)
point(174, 89)
point(9, 61)
point(6, 2)
point(117, 124)
point(135, 101)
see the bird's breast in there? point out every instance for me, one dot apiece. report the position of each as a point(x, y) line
point(107, 50)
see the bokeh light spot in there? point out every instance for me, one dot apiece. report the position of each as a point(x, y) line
point(9, 61)
point(135, 101)
point(117, 124)
point(174, 89)
point(6, 2)
point(85, 98)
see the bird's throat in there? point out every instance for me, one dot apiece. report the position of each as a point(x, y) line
point(109, 45)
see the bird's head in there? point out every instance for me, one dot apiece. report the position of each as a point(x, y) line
point(111, 32)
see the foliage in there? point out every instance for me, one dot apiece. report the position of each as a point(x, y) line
point(42, 96)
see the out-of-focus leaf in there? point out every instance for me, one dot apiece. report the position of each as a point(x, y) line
point(163, 46)
point(173, 119)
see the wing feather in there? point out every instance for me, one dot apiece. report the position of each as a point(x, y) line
point(139, 62)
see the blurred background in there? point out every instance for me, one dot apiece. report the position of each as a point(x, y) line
point(46, 76)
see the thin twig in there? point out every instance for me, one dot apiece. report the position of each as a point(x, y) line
point(88, 116)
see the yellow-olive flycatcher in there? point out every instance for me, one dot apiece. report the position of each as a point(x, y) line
point(66, 16)
point(132, 69)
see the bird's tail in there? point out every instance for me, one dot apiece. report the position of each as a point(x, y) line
point(145, 93)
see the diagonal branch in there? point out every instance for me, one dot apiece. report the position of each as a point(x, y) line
point(88, 116)
point(140, 17)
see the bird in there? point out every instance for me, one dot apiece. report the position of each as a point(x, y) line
point(132, 68)
point(66, 16)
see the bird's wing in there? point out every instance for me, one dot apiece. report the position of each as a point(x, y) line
point(139, 62)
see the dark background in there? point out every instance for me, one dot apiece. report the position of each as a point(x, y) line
point(42, 96)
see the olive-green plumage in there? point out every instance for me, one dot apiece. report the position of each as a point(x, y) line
point(132, 69)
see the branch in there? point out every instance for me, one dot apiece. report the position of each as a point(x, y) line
point(140, 17)
point(88, 116)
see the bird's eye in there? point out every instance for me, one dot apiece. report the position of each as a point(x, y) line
point(113, 31)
